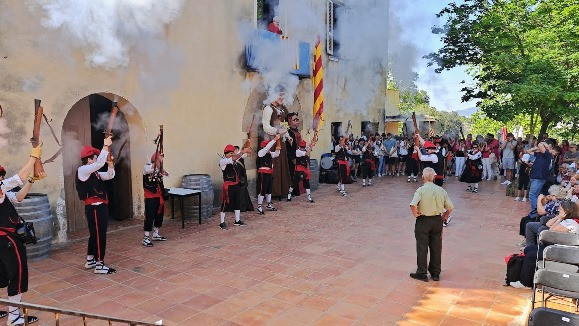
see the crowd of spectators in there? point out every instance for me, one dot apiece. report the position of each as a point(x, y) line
point(535, 163)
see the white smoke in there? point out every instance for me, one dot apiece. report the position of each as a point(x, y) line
point(275, 60)
point(108, 30)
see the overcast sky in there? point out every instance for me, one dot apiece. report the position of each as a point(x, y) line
point(417, 17)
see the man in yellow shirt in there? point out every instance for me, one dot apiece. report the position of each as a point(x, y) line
point(428, 207)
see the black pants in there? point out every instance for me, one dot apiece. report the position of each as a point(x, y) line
point(298, 175)
point(428, 233)
point(233, 199)
point(367, 172)
point(13, 265)
point(529, 262)
point(438, 181)
point(342, 173)
point(411, 166)
point(97, 217)
point(153, 213)
point(264, 183)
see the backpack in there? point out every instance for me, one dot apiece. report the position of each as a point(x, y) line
point(514, 264)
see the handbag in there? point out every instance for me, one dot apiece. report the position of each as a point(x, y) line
point(25, 232)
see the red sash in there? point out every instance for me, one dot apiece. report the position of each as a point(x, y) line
point(301, 168)
point(265, 170)
point(347, 164)
point(372, 164)
point(225, 190)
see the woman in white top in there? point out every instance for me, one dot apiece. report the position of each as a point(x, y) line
point(402, 155)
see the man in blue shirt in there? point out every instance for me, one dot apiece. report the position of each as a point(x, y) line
point(391, 162)
point(539, 173)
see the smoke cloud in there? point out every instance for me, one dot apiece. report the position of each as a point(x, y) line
point(108, 30)
point(274, 59)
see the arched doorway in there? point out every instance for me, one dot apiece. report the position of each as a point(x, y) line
point(84, 125)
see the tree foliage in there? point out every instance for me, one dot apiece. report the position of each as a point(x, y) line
point(523, 55)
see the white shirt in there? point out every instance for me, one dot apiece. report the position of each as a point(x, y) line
point(475, 156)
point(266, 120)
point(267, 148)
point(338, 148)
point(9, 184)
point(570, 225)
point(300, 153)
point(84, 171)
point(429, 158)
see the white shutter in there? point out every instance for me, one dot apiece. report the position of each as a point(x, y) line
point(330, 27)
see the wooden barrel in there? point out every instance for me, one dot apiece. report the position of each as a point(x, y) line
point(314, 174)
point(35, 208)
point(203, 183)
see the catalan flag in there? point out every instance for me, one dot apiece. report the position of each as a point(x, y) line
point(318, 79)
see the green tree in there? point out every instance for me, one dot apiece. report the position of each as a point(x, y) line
point(523, 56)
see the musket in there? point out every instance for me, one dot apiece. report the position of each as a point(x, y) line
point(160, 149)
point(35, 140)
point(109, 131)
point(416, 140)
point(247, 143)
point(462, 134)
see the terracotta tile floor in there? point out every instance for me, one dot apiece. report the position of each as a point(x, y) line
point(340, 261)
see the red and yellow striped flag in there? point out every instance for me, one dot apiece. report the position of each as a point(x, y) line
point(318, 79)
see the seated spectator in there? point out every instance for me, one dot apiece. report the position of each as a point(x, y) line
point(546, 206)
point(274, 26)
point(567, 223)
point(571, 155)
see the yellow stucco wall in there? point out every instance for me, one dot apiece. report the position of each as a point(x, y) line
point(200, 115)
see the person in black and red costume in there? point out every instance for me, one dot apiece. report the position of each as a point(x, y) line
point(231, 191)
point(302, 170)
point(431, 159)
point(342, 150)
point(265, 172)
point(369, 165)
point(13, 260)
point(154, 201)
point(92, 191)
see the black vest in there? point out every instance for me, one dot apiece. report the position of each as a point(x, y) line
point(439, 167)
point(265, 161)
point(8, 216)
point(240, 170)
point(229, 174)
point(152, 182)
point(368, 154)
point(303, 161)
point(341, 154)
point(92, 187)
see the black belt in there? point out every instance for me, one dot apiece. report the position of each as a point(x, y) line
point(439, 215)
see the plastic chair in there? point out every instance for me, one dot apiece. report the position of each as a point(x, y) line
point(546, 316)
point(556, 283)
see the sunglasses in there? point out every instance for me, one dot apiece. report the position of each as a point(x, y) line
point(296, 119)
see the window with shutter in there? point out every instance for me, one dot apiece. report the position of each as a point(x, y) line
point(335, 12)
point(330, 28)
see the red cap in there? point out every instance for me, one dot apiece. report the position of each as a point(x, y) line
point(2, 171)
point(229, 148)
point(302, 143)
point(429, 145)
point(88, 151)
point(263, 143)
